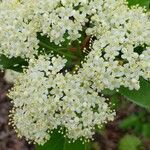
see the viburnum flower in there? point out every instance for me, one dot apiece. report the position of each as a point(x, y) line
point(45, 99)
point(114, 46)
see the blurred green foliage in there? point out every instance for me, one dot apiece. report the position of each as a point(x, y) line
point(129, 142)
point(139, 123)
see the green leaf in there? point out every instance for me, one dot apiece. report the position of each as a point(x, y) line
point(76, 146)
point(129, 122)
point(140, 97)
point(73, 57)
point(129, 142)
point(14, 63)
point(140, 2)
point(49, 47)
point(58, 142)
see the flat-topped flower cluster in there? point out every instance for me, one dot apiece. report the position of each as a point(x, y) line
point(45, 99)
point(45, 96)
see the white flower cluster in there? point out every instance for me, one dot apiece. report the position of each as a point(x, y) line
point(21, 20)
point(17, 33)
point(45, 99)
point(114, 61)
